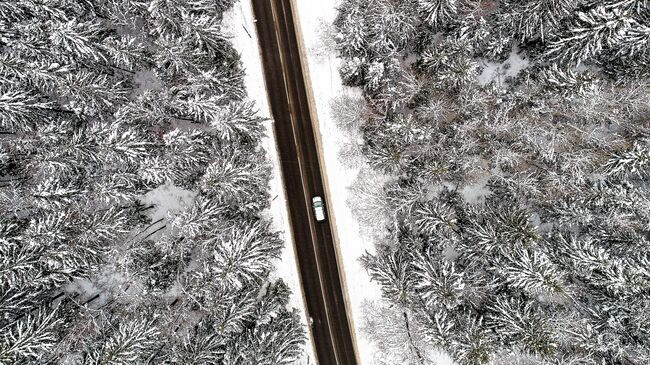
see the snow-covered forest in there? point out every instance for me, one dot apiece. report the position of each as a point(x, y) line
point(132, 186)
point(511, 139)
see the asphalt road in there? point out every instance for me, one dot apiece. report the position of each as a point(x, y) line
point(301, 173)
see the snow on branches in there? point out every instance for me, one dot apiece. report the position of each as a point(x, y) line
point(512, 138)
point(101, 103)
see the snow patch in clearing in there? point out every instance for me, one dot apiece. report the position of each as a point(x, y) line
point(499, 72)
point(475, 193)
point(84, 287)
point(168, 200)
point(106, 284)
point(146, 80)
point(439, 357)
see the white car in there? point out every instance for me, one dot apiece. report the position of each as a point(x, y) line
point(319, 208)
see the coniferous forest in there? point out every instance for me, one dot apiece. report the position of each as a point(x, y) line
point(512, 138)
point(102, 102)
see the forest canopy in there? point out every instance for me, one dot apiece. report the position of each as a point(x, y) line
point(104, 106)
point(512, 137)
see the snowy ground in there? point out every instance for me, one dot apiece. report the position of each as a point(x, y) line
point(500, 72)
point(314, 17)
point(242, 29)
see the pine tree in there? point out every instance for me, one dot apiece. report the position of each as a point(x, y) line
point(131, 341)
point(449, 64)
point(532, 272)
point(537, 19)
point(126, 52)
point(242, 256)
point(276, 335)
point(238, 121)
point(78, 38)
point(634, 162)
point(351, 27)
point(434, 218)
point(19, 110)
point(202, 346)
point(236, 182)
point(29, 337)
point(437, 12)
point(473, 346)
point(391, 271)
point(523, 324)
point(438, 282)
point(595, 30)
point(568, 82)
